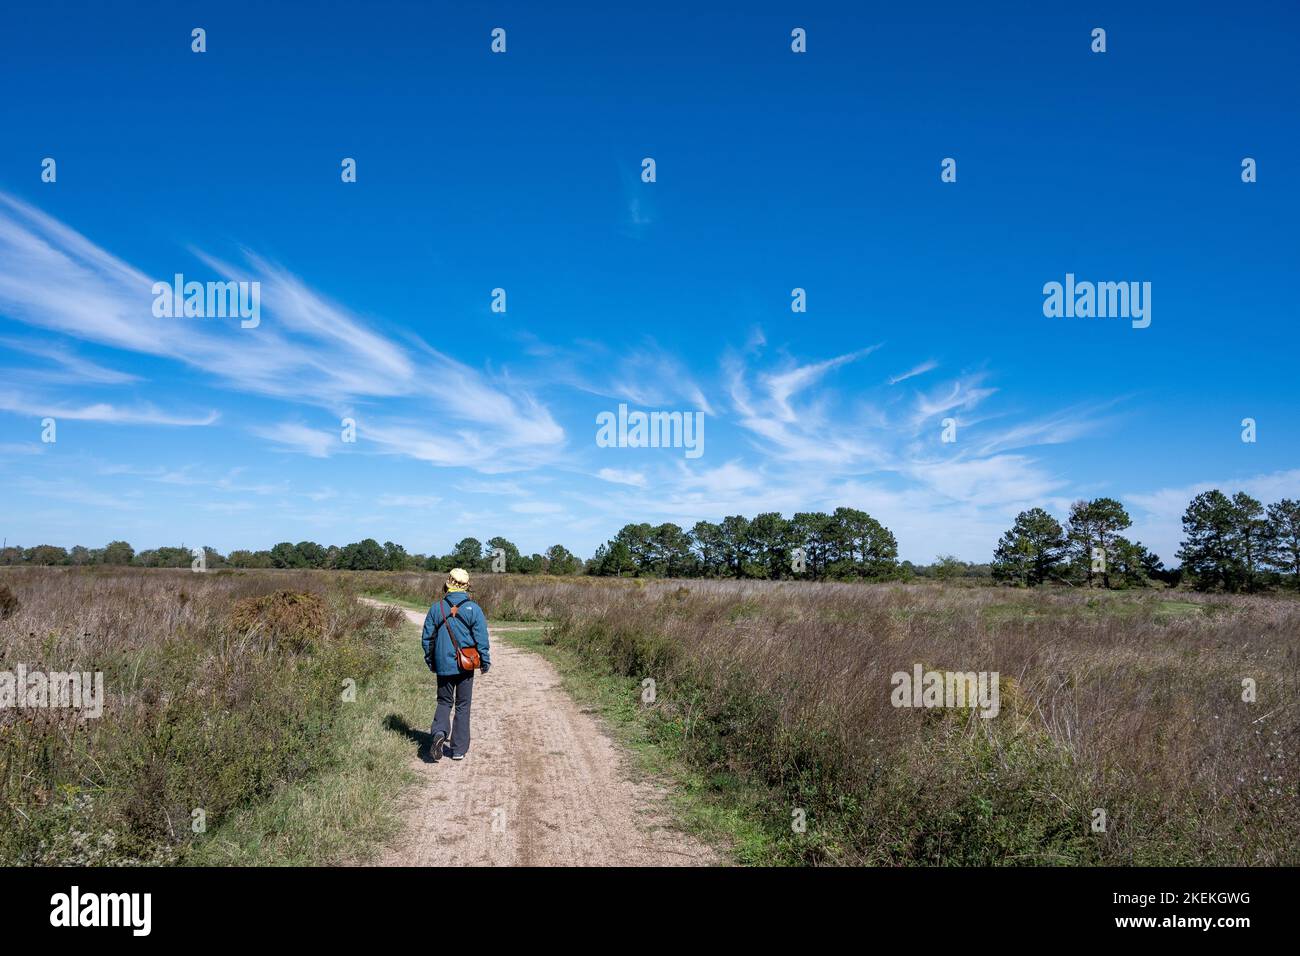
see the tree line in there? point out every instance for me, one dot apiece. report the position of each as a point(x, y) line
point(364, 555)
point(846, 544)
point(1230, 544)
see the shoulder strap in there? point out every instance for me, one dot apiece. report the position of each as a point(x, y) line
point(446, 619)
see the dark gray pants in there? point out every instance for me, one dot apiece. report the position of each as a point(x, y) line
point(458, 690)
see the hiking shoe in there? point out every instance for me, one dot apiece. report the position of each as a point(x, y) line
point(435, 745)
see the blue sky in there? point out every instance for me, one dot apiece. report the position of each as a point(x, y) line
point(522, 171)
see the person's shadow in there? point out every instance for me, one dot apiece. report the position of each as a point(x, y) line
point(420, 738)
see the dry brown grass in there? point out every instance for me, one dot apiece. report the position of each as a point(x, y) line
point(208, 707)
point(1130, 702)
point(297, 618)
point(8, 602)
point(779, 692)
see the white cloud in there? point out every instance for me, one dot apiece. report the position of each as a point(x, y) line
point(306, 349)
point(76, 493)
point(72, 368)
point(914, 371)
point(805, 435)
point(961, 394)
point(296, 437)
point(997, 481)
point(807, 440)
point(408, 501)
point(731, 476)
point(537, 508)
point(634, 478)
point(781, 387)
point(102, 412)
point(644, 375)
point(1054, 429)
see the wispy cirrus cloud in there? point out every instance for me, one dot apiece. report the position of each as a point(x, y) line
point(1000, 480)
point(622, 477)
point(196, 476)
point(820, 431)
point(960, 394)
point(101, 412)
point(300, 438)
point(69, 368)
point(1055, 429)
point(927, 366)
point(78, 493)
point(308, 350)
point(644, 375)
point(781, 386)
point(408, 501)
point(806, 433)
point(537, 508)
point(824, 441)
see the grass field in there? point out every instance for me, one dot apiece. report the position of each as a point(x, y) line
point(771, 713)
point(220, 706)
point(777, 695)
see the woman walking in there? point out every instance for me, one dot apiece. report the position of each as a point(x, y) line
point(455, 641)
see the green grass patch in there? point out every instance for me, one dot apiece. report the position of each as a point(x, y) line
point(1111, 604)
point(391, 598)
point(1167, 611)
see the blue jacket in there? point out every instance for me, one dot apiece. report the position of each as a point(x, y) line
point(471, 631)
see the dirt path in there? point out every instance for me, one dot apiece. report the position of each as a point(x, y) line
point(542, 785)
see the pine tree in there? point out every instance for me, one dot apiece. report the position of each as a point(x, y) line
point(1209, 550)
point(1031, 550)
point(1282, 546)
